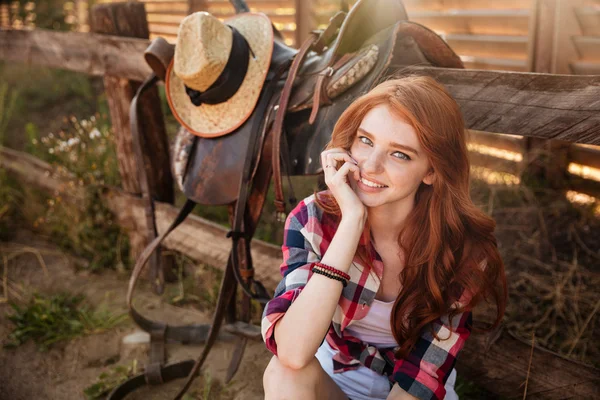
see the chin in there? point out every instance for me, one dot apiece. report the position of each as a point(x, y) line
point(370, 200)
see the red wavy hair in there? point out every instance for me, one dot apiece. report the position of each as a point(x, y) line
point(449, 244)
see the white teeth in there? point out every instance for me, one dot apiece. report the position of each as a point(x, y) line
point(371, 184)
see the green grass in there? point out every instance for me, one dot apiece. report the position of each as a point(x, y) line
point(48, 320)
point(8, 102)
point(109, 380)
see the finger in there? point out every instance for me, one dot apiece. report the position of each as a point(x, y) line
point(333, 158)
point(345, 170)
point(331, 173)
point(325, 154)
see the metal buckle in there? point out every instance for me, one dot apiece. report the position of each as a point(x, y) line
point(327, 72)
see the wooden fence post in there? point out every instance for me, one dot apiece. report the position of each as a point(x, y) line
point(197, 5)
point(4, 15)
point(305, 20)
point(546, 159)
point(129, 20)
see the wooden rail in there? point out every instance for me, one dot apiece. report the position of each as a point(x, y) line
point(526, 104)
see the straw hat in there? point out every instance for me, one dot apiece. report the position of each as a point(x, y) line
point(202, 52)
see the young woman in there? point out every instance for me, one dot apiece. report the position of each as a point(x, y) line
point(381, 271)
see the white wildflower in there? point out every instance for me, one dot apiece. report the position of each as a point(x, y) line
point(95, 133)
point(72, 141)
point(51, 151)
point(34, 141)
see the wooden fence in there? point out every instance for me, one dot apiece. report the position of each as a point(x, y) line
point(487, 34)
point(501, 364)
point(552, 36)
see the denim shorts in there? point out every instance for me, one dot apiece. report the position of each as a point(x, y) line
point(365, 384)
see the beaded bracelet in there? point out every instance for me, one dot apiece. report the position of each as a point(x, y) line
point(334, 270)
point(330, 275)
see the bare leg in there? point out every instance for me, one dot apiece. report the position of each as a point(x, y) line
point(308, 383)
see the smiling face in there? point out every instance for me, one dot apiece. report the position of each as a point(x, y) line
point(391, 161)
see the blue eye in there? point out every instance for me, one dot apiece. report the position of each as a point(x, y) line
point(401, 156)
point(364, 139)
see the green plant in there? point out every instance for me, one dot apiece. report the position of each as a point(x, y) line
point(8, 101)
point(87, 229)
point(84, 156)
point(83, 151)
point(47, 320)
point(107, 381)
point(45, 95)
point(46, 14)
point(10, 198)
point(208, 389)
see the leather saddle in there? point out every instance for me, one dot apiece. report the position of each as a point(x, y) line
point(376, 34)
point(305, 92)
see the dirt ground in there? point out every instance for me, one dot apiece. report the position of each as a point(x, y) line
point(67, 368)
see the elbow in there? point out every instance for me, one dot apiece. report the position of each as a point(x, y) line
point(292, 364)
point(293, 360)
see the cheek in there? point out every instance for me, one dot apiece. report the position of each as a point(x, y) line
point(406, 175)
point(357, 152)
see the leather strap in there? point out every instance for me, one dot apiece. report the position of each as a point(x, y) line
point(239, 231)
point(327, 36)
point(168, 373)
point(156, 271)
point(279, 117)
point(158, 55)
point(320, 92)
point(157, 355)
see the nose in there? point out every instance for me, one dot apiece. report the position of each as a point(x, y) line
point(373, 163)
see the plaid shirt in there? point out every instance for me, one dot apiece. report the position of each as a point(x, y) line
point(308, 232)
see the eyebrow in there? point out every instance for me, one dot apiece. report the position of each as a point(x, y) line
point(397, 145)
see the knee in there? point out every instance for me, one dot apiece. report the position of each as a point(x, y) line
point(278, 375)
point(275, 372)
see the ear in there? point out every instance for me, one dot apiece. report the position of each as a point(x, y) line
point(429, 178)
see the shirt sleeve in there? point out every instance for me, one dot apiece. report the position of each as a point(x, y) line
point(298, 255)
point(423, 373)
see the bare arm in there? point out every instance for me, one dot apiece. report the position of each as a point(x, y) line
point(300, 331)
point(397, 393)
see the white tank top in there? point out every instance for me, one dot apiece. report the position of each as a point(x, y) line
point(375, 328)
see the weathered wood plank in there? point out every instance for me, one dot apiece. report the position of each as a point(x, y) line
point(504, 365)
point(494, 163)
point(88, 53)
point(500, 367)
point(585, 156)
point(528, 104)
point(499, 141)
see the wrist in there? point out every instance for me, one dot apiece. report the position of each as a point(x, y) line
point(353, 221)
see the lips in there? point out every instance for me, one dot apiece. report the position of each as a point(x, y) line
point(372, 180)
